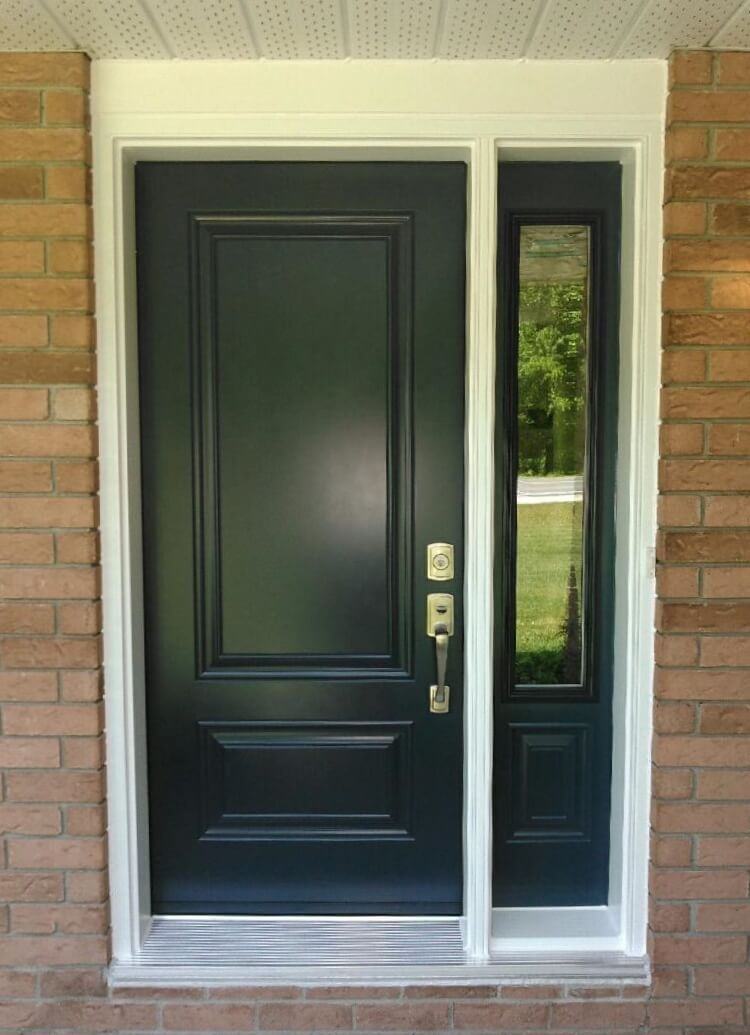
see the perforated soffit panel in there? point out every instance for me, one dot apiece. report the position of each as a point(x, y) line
point(401, 29)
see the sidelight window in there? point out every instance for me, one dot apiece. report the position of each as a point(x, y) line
point(557, 413)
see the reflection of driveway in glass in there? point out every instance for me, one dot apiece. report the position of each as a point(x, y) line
point(567, 488)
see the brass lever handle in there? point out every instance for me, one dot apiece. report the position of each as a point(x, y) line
point(441, 651)
point(440, 626)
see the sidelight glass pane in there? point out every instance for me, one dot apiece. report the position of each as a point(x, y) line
point(553, 331)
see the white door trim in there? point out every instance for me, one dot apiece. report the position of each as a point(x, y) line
point(161, 128)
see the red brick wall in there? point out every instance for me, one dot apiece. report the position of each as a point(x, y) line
point(701, 816)
point(52, 879)
point(52, 853)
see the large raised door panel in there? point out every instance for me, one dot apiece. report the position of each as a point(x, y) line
point(301, 361)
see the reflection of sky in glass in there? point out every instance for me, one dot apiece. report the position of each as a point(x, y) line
point(552, 369)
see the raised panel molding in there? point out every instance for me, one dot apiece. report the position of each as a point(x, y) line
point(254, 759)
point(550, 769)
point(392, 658)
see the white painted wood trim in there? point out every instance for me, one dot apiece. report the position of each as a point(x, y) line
point(122, 136)
point(479, 510)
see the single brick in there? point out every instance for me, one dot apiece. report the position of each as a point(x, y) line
point(684, 293)
point(39, 145)
point(729, 440)
point(500, 1016)
point(670, 851)
point(28, 686)
point(681, 439)
point(29, 819)
point(676, 475)
point(707, 329)
point(47, 440)
point(689, 818)
point(45, 951)
point(697, 685)
point(709, 546)
point(713, 752)
point(19, 106)
point(18, 512)
point(79, 619)
point(683, 365)
point(684, 143)
point(720, 917)
point(33, 69)
point(21, 257)
point(46, 293)
point(669, 717)
point(676, 650)
point(724, 785)
point(727, 651)
point(729, 365)
point(697, 949)
point(76, 476)
point(26, 618)
point(725, 718)
point(57, 787)
point(29, 753)
point(708, 106)
point(70, 257)
point(21, 182)
point(212, 1017)
point(50, 719)
point(727, 511)
point(690, 67)
point(87, 887)
point(734, 69)
point(85, 820)
point(29, 653)
point(685, 217)
point(73, 403)
point(696, 885)
point(726, 581)
point(680, 511)
point(717, 1013)
point(707, 256)
point(672, 784)
point(24, 476)
point(72, 332)
point(23, 331)
point(68, 183)
point(732, 145)
point(731, 219)
point(713, 981)
point(677, 582)
point(592, 1015)
point(49, 583)
point(64, 107)
point(694, 403)
point(57, 853)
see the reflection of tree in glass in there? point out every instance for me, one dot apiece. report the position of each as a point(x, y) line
point(551, 377)
point(552, 344)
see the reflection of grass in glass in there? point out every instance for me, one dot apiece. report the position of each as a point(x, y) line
point(549, 541)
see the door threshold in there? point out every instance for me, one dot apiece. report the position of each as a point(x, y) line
point(226, 950)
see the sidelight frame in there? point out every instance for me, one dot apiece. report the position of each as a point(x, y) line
point(425, 123)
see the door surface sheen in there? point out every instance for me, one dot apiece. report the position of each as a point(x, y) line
point(301, 343)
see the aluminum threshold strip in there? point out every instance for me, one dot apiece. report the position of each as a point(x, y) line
point(386, 951)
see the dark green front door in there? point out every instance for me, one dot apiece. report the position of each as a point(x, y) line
point(301, 348)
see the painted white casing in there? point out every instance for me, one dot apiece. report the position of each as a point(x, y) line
point(477, 112)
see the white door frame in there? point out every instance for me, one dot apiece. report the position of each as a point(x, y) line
point(204, 110)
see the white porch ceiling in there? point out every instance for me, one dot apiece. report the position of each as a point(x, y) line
point(339, 29)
